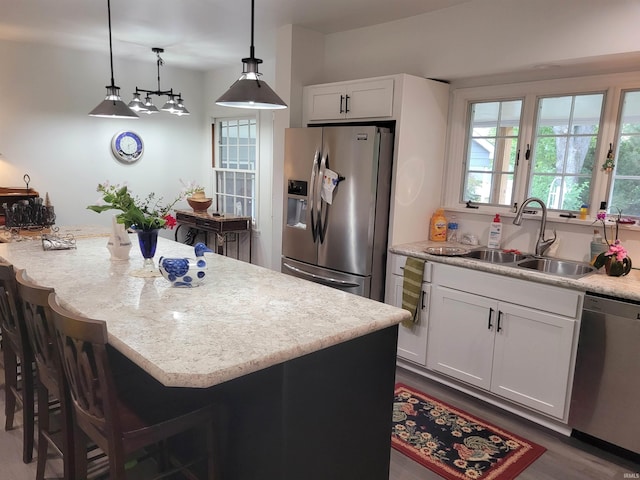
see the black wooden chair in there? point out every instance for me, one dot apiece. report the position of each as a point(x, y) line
point(18, 361)
point(121, 414)
point(51, 387)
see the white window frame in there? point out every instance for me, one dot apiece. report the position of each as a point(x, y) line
point(611, 85)
point(255, 171)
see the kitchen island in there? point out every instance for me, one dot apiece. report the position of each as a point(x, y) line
point(305, 372)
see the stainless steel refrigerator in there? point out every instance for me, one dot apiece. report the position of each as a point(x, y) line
point(339, 237)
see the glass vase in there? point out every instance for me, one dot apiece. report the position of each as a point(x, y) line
point(148, 240)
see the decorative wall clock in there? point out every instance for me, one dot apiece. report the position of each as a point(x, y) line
point(127, 146)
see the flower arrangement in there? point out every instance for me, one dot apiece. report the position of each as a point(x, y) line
point(142, 214)
point(615, 258)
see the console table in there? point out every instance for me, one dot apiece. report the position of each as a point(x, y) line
point(220, 224)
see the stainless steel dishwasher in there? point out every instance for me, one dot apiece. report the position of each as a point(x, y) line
point(606, 386)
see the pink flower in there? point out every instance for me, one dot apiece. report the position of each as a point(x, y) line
point(618, 250)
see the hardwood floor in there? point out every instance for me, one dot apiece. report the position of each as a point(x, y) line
point(565, 458)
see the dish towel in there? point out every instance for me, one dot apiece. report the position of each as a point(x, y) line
point(412, 288)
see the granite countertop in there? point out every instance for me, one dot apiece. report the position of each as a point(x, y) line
point(627, 287)
point(77, 231)
point(242, 319)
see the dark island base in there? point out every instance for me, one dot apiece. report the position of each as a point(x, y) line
point(324, 416)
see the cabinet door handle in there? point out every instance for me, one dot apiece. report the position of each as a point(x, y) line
point(423, 295)
point(490, 325)
point(499, 328)
point(341, 99)
point(346, 103)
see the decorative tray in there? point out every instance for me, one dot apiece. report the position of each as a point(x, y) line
point(446, 251)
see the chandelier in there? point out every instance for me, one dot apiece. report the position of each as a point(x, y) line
point(174, 103)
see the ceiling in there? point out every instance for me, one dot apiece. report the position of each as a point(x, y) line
point(197, 34)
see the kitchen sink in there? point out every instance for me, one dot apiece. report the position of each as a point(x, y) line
point(553, 266)
point(495, 256)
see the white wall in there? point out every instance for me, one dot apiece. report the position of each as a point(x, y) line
point(216, 83)
point(45, 130)
point(484, 38)
point(573, 240)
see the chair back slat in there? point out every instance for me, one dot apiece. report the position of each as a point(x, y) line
point(13, 328)
point(82, 343)
point(37, 317)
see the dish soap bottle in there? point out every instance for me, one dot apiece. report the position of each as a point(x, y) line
point(438, 227)
point(495, 232)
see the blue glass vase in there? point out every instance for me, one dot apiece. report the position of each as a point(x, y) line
point(148, 240)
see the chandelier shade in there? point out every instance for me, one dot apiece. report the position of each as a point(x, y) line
point(149, 107)
point(137, 105)
point(112, 106)
point(249, 91)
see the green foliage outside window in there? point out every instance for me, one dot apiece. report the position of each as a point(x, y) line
point(626, 190)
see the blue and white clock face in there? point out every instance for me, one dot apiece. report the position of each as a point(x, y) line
point(127, 146)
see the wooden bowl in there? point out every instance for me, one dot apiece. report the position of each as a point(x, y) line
point(199, 204)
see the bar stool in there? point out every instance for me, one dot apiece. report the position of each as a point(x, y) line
point(49, 377)
point(122, 417)
point(18, 361)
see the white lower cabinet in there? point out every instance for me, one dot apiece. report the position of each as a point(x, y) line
point(520, 353)
point(412, 340)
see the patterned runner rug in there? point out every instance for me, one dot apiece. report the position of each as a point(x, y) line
point(453, 443)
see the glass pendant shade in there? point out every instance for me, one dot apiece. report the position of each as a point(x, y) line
point(251, 92)
point(137, 105)
point(113, 106)
point(181, 108)
point(149, 106)
point(171, 106)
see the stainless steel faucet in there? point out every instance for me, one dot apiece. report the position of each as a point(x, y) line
point(541, 244)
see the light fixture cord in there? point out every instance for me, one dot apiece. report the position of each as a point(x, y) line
point(252, 49)
point(113, 82)
point(159, 62)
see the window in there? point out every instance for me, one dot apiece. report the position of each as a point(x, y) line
point(625, 183)
point(546, 139)
point(564, 150)
point(491, 152)
point(235, 166)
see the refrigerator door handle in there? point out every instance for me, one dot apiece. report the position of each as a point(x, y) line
point(322, 205)
point(327, 280)
point(312, 199)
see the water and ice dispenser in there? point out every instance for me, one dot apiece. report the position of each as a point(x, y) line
point(297, 204)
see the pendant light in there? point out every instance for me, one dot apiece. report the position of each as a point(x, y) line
point(249, 91)
point(112, 106)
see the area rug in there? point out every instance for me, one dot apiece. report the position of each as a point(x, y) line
point(453, 443)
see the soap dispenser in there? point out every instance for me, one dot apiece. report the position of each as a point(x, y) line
point(495, 232)
point(597, 245)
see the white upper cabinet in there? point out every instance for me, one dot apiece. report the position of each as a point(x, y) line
point(349, 100)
